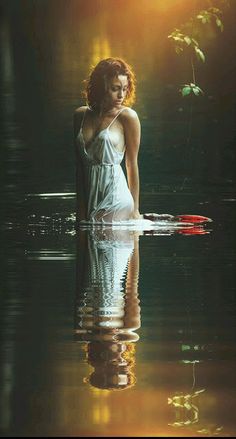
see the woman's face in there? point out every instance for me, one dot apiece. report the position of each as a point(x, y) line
point(117, 88)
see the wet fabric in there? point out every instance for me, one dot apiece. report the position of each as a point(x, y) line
point(107, 196)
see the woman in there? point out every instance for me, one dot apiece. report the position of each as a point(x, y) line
point(105, 131)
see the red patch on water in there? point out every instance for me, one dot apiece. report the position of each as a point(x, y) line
point(195, 219)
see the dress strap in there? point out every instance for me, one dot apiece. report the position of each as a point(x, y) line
point(116, 117)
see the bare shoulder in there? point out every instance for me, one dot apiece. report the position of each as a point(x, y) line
point(77, 118)
point(128, 114)
point(80, 111)
point(130, 120)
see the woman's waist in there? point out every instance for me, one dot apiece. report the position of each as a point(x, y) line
point(100, 159)
point(101, 164)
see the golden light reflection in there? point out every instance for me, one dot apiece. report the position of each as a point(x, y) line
point(100, 49)
point(101, 414)
point(98, 393)
point(163, 5)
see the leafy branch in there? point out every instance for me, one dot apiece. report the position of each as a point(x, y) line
point(206, 16)
point(185, 39)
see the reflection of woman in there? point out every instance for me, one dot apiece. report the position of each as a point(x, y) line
point(104, 131)
point(113, 364)
point(107, 304)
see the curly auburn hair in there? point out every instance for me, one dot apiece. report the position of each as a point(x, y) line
point(96, 84)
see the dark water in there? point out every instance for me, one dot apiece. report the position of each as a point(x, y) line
point(115, 333)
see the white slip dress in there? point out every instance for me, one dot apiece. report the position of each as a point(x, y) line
point(107, 196)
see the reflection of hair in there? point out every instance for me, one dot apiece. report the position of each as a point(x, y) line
point(111, 379)
point(104, 71)
point(113, 365)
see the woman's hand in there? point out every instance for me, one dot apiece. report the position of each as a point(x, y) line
point(136, 214)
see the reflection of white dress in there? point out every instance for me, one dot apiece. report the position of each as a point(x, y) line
point(108, 197)
point(102, 302)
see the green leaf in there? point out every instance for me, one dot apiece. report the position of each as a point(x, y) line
point(189, 361)
point(195, 42)
point(187, 40)
point(178, 38)
point(178, 49)
point(215, 10)
point(186, 91)
point(200, 54)
point(199, 391)
point(197, 90)
point(219, 24)
point(187, 405)
point(185, 347)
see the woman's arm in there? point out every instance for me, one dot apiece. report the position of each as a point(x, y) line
point(132, 131)
point(80, 186)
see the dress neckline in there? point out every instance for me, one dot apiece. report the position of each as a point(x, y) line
point(104, 129)
point(90, 143)
point(94, 138)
